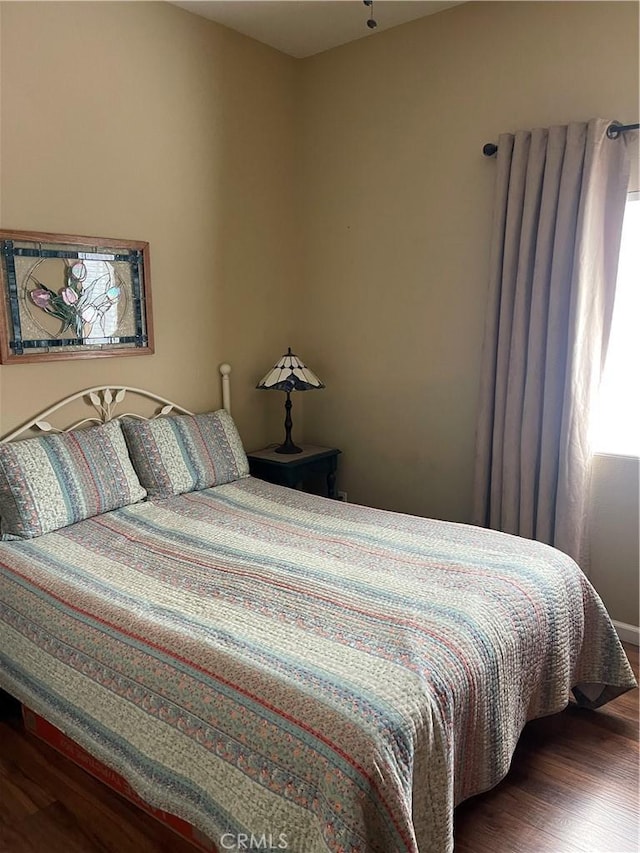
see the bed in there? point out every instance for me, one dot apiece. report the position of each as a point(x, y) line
point(287, 671)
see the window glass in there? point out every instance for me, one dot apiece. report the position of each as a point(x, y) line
point(616, 427)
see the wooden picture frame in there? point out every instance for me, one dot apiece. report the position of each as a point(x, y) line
point(65, 296)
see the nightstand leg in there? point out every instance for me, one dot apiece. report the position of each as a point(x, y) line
point(331, 485)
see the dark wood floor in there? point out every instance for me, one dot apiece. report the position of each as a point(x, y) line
point(572, 787)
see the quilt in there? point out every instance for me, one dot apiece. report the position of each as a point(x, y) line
point(312, 675)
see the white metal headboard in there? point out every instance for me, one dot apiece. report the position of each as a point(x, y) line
point(105, 399)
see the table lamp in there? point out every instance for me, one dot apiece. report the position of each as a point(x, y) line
point(289, 374)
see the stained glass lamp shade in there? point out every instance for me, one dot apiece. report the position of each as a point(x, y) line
point(289, 374)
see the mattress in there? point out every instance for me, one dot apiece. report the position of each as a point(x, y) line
point(329, 677)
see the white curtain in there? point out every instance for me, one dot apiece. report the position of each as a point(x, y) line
point(560, 198)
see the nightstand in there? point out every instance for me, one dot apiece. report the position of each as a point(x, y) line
point(295, 469)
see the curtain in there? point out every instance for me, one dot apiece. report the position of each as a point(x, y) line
point(560, 198)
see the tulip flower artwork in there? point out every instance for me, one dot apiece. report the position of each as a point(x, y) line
point(64, 296)
point(88, 300)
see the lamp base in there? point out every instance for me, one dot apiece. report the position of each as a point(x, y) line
point(288, 447)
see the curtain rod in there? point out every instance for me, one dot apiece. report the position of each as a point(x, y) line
point(613, 132)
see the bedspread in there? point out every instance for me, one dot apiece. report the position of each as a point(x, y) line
point(324, 676)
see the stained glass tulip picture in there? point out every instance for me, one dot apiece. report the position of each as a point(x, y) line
point(87, 302)
point(64, 296)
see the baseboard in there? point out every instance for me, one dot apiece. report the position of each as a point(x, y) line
point(628, 633)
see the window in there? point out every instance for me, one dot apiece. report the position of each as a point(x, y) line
point(617, 416)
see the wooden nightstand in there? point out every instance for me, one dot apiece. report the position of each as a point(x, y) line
point(295, 469)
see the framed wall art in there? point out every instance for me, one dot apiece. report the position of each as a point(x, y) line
point(65, 297)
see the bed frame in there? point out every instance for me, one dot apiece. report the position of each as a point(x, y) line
point(106, 400)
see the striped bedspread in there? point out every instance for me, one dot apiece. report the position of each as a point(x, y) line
point(323, 676)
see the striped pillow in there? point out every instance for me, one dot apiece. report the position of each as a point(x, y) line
point(55, 480)
point(184, 453)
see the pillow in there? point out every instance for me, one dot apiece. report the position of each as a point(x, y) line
point(183, 453)
point(55, 480)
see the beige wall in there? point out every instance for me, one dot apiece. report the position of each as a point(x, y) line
point(614, 535)
point(399, 198)
point(141, 121)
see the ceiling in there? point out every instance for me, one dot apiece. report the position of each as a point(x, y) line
point(304, 27)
